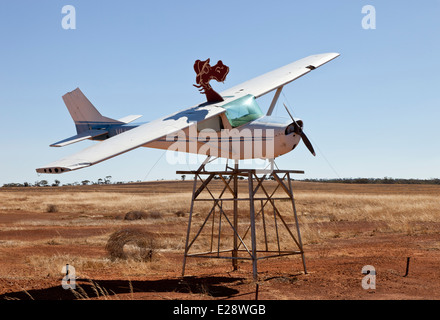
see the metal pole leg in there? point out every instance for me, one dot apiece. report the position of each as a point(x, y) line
point(189, 226)
point(297, 224)
point(235, 221)
point(252, 217)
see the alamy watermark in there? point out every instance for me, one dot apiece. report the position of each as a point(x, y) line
point(190, 146)
point(69, 280)
point(69, 20)
point(369, 20)
point(369, 281)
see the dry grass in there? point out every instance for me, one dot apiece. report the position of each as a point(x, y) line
point(324, 212)
point(93, 203)
point(88, 267)
point(397, 212)
point(390, 213)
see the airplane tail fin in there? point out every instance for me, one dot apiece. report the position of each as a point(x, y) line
point(84, 114)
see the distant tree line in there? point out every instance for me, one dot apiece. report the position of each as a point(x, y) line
point(385, 180)
point(107, 180)
point(57, 183)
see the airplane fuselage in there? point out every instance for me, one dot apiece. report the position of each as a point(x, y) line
point(266, 137)
point(242, 132)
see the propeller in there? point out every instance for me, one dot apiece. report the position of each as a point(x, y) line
point(299, 131)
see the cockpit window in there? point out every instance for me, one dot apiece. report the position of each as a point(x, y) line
point(242, 111)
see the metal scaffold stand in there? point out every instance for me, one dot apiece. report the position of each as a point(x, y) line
point(259, 230)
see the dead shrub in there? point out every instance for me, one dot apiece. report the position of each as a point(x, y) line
point(135, 215)
point(180, 213)
point(51, 208)
point(132, 244)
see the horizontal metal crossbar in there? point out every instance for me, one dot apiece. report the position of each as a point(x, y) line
point(240, 199)
point(216, 254)
point(240, 172)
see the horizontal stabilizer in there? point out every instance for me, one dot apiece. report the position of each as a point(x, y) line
point(79, 137)
point(129, 119)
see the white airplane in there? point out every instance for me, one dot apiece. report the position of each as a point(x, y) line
point(229, 124)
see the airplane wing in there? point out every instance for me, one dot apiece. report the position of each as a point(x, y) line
point(132, 139)
point(270, 81)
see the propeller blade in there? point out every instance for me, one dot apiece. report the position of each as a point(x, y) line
point(307, 143)
point(289, 113)
point(302, 134)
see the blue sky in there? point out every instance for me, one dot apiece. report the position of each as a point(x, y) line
point(372, 112)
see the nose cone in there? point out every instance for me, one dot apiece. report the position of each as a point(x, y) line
point(294, 127)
